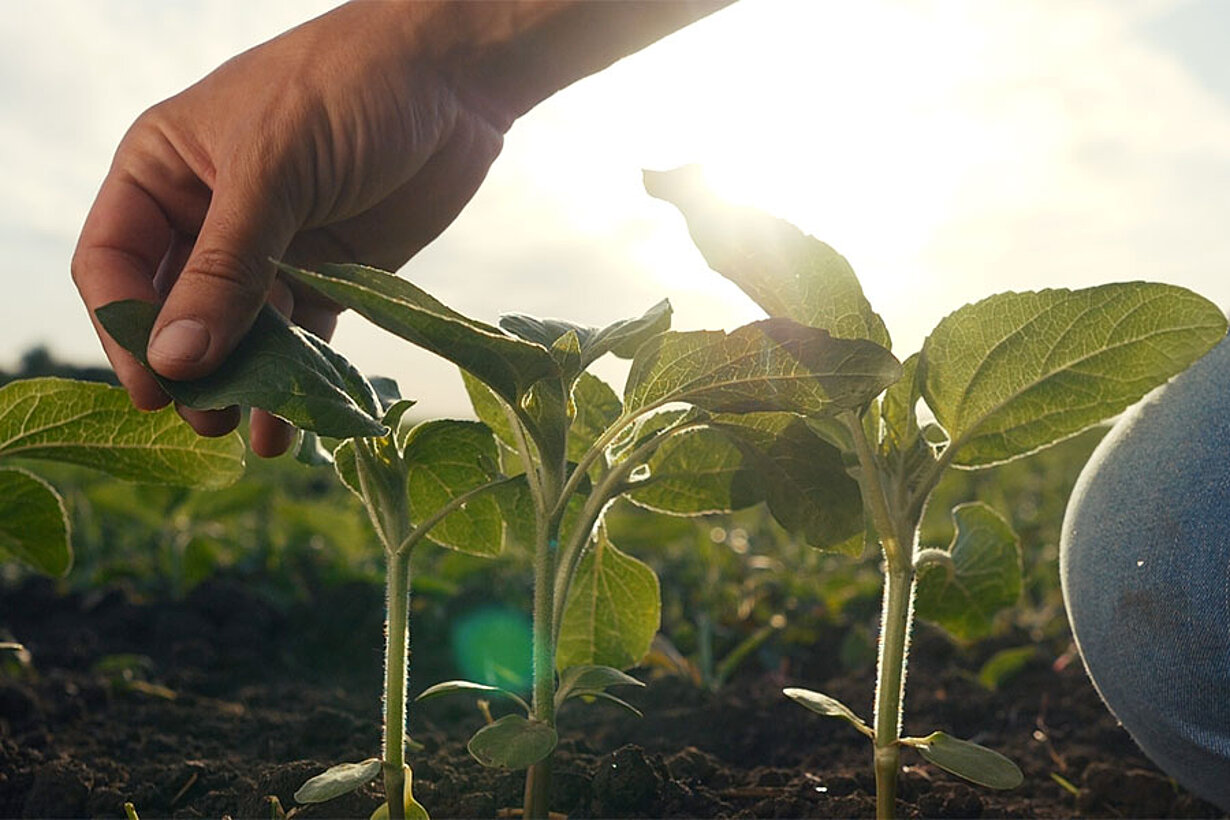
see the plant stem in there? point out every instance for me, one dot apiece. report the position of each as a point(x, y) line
point(895, 619)
point(396, 664)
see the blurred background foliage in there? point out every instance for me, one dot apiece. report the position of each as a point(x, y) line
point(738, 593)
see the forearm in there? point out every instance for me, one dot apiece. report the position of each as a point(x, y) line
point(513, 54)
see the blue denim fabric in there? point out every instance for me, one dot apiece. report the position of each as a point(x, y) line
point(1145, 563)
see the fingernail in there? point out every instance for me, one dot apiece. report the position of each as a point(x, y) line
point(184, 340)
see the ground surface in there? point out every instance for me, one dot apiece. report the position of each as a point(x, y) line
point(232, 699)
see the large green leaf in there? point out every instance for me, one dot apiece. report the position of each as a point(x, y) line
point(786, 272)
point(773, 364)
point(33, 523)
point(512, 742)
point(97, 426)
point(985, 578)
point(621, 338)
point(445, 459)
point(697, 472)
point(612, 612)
point(276, 367)
point(508, 365)
point(802, 478)
point(1019, 371)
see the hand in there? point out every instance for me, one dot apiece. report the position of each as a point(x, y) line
point(336, 142)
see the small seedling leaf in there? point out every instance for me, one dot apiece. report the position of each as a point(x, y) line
point(621, 338)
point(452, 687)
point(822, 704)
point(589, 681)
point(1020, 371)
point(508, 365)
point(785, 271)
point(975, 763)
point(773, 364)
point(95, 425)
point(613, 609)
point(1005, 665)
point(338, 780)
point(33, 523)
point(802, 477)
point(277, 367)
point(986, 576)
point(512, 742)
point(444, 460)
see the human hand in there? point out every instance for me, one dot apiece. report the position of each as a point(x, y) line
point(336, 142)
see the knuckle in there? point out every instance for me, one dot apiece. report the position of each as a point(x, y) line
point(224, 269)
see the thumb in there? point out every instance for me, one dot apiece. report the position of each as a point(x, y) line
point(225, 280)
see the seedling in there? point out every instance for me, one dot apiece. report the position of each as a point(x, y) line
point(577, 446)
point(1003, 377)
point(94, 425)
point(433, 479)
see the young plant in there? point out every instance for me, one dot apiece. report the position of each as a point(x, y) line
point(431, 481)
point(577, 447)
point(94, 425)
point(1003, 378)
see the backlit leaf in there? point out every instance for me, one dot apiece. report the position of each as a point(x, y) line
point(822, 704)
point(975, 763)
point(590, 681)
point(452, 687)
point(774, 364)
point(512, 742)
point(508, 365)
point(445, 459)
point(413, 809)
point(597, 408)
point(612, 612)
point(277, 367)
point(95, 425)
point(489, 409)
point(621, 338)
point(786, 272)
point(33, 523)
point(802, 478)
point(697, 472)
point(1020, 371)
point(986, 577)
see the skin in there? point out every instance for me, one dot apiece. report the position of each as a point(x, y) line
point(356, 137)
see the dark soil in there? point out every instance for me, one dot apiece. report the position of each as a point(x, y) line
point(230, 699)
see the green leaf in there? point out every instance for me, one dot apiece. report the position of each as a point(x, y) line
point(612, 612)
point(338, 780)
point(512, 742)
point(311, 452)
point(898, 409)
point(33, 523)
point(597, 408)
point(802, 477)
point(506, 364)
point(786, 272)
point(1019, 371)
point(490, 410)
point(452, 687)
point(696, 472)
point(446, 459)
point(590, 681)
point(822, 704)
point(516, 504)
point(276, 367)
point(95, 425)
point(346, 468)
point(621, 338)
point(1005, 665)
point(646, 427)
point(975, 763)
point(774, 364)
point(986, 578)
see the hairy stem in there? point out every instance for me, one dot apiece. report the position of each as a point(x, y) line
point(396, 665)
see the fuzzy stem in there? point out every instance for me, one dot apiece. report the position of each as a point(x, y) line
point(396, 665)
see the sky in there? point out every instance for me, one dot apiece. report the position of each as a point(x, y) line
point(949, 149)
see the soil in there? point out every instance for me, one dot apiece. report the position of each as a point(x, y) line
point(206, 706)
